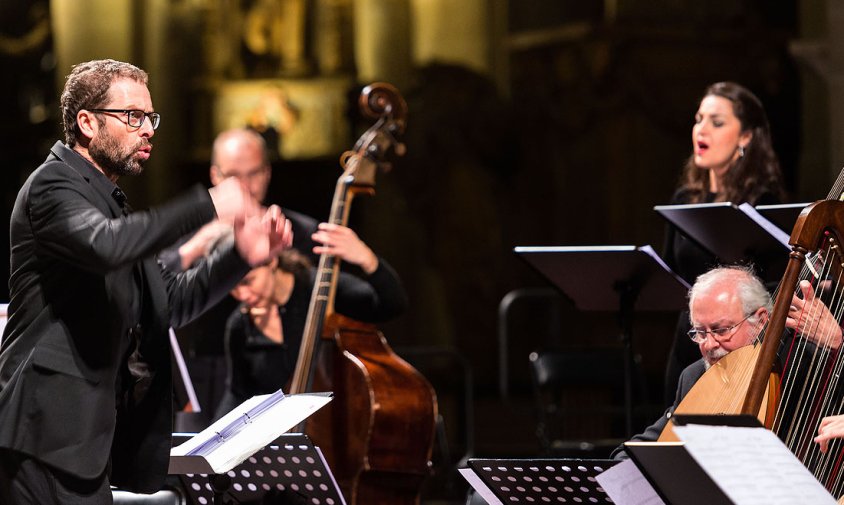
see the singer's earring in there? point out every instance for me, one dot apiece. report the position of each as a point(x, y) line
point(741, 151)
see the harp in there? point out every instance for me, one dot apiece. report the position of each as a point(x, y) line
point(790, 378)
point(810, 387)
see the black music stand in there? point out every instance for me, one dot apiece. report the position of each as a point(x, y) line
point(739, 459)
point(675, 476)
point(730, 232)
point(501, 481)
point(233, 441)
point(620, 279)
point(294, 470)
point(783, 215)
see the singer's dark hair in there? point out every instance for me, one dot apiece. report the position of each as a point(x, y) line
point(752, 175)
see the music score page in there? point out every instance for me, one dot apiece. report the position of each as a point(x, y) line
point(752, 466)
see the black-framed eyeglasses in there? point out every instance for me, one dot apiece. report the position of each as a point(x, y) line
point(719, 334)
point(134, 117)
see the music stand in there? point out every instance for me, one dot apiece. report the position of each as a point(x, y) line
point(235, 438)
point(294, 469)
point(730, 232)
point(674, 474)
point(619, 279)
point(501, 481)
point(783, 215)
point(726, 460)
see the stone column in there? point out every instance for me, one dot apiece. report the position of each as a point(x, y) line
point(102, 29)
point(453, 32)
point(382, 41)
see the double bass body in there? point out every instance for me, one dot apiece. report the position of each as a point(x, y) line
point(378, 431)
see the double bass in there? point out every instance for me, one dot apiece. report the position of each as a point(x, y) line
point(378, 432)
point(789, 380)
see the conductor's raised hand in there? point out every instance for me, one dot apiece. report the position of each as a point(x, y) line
point(232, 201)
point(261, 237)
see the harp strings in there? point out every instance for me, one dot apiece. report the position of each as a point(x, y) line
point(812, 369)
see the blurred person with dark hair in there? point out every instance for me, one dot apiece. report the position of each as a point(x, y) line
point(264, 333)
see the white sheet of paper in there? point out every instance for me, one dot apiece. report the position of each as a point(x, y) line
point(292, 410)
point(752, 466)
point(626, 485)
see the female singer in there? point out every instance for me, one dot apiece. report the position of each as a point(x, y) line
point(263, 335)
point(732, 160)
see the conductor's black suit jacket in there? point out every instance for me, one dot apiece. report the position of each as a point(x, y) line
point(84, 365)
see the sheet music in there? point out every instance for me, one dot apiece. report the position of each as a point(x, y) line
point(247, 428)
point(752, 466)
point(626, 485)
point(183, 372)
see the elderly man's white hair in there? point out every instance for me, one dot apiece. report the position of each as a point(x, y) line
point(749, 287)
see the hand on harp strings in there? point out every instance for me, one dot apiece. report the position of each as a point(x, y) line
point(831, 427)
point(810, 318)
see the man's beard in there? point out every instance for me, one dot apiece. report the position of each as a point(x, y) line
point(711, 357)
point(107, 152)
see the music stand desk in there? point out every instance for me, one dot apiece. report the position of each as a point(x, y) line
point(676, 477)
point(730, 232)
point(783, 215)
point(235, 438)
point(623, 279)
point(505, 481)
point(291, 467)
point(596, 277)
point(726, 460)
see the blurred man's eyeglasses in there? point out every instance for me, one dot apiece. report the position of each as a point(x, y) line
point(249, 176)
point(698, 335)
point(134, 117)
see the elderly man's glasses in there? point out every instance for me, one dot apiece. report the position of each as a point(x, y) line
point(134, 117)
point(719, 334)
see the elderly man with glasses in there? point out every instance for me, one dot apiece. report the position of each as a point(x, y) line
point(728, 308)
